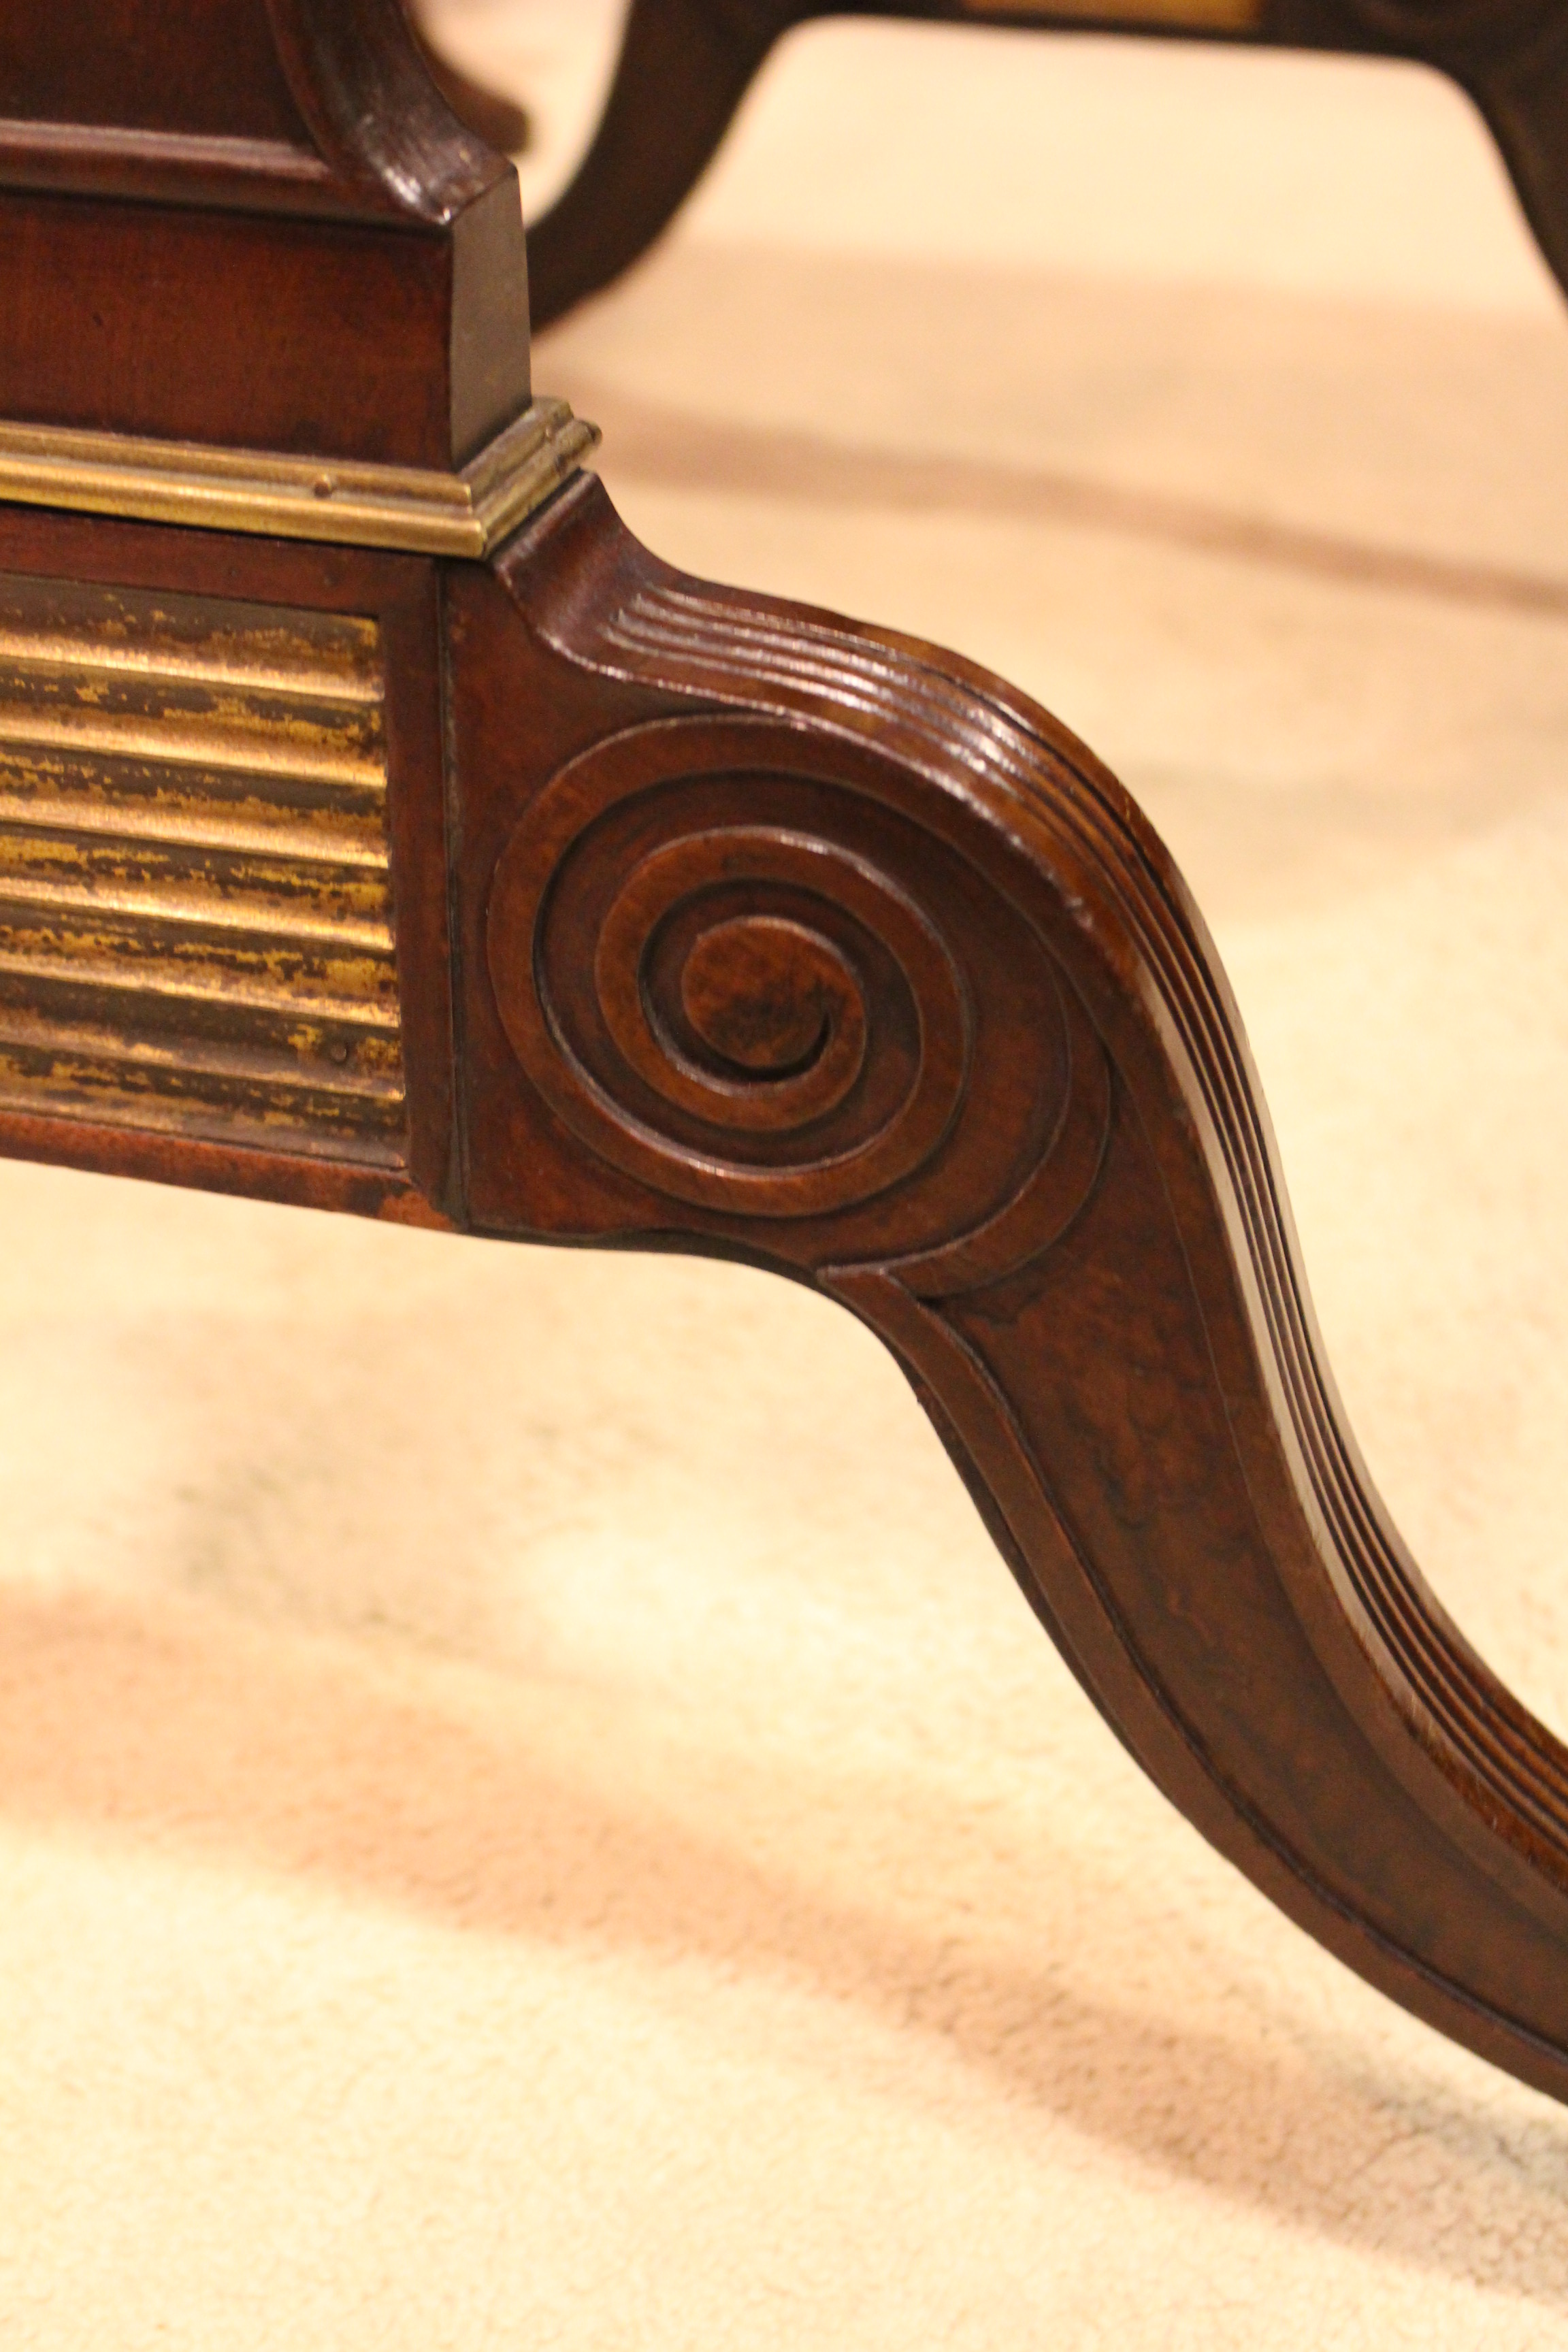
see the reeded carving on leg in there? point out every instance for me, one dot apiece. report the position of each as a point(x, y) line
point(834, 954)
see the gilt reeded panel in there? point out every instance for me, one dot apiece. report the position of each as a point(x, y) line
point(196, 916)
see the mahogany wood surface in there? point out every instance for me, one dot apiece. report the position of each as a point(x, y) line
point(804, 944)
point(685, 66)
point(281, 189)
point(558, 897)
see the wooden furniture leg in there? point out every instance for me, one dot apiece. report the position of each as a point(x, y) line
point(804, 944)
point(382, 828)
point(500, 121)
point(685, 66)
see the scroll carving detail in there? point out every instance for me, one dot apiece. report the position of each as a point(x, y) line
point(725, 971)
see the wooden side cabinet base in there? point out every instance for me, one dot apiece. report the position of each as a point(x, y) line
point(527, 888)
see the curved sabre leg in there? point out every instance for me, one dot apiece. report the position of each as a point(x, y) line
point(684, 68)
point(793, 941)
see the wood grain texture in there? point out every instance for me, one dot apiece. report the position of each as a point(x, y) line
point(280, 178)
point(685, 65)
point(796, 942)
point(209, 67)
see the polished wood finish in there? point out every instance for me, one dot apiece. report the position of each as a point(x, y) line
point(277, 183)
point(685, 66)
point(801, 943)
point(722, 926)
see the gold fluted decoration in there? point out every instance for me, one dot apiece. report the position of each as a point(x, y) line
point(195, 916)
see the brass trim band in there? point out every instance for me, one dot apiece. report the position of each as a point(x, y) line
point(403, 506)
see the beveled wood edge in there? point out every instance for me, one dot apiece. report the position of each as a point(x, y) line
point(243, 1172)
point(179, 166)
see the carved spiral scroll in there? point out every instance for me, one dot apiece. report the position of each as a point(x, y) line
point(718, 959)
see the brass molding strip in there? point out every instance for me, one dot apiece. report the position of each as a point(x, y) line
point(403, 506)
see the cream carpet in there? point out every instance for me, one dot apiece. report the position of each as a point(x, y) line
point(530, 1814)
